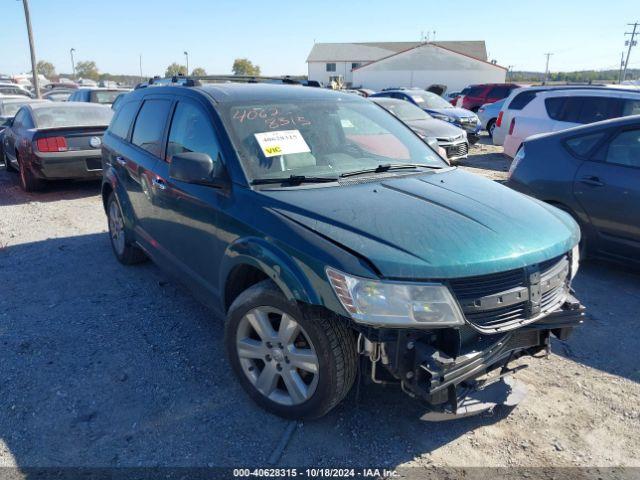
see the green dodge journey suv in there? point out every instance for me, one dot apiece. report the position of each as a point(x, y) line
point(335, 243)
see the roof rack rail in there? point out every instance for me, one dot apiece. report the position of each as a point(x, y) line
point(193, 81)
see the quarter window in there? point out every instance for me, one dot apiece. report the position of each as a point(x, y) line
point(331, 67)
point(625, 149)
point(124, 118)
point(521, 100)
point(191, 131)
point(584, 144)
point(355, 65)
point(149, 127)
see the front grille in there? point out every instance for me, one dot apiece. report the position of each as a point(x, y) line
point(456, 151)
point(506, 300)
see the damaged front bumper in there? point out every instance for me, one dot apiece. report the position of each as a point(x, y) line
point(450, 382)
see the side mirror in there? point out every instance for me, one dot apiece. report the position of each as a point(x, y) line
point(6, 122)
point(196, 168)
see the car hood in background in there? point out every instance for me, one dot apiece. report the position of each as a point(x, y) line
point(455, 112)
point(435, 128)
point(437, 225)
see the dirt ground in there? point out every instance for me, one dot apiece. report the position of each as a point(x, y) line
point(103, 365)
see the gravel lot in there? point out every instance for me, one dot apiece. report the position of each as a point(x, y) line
point(104, 365)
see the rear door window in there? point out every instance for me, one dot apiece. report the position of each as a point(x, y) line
point(555, 107)
point(149, 128)
point(624, 149)
point(123, 119)
point(499, 92)
point(475, 92)
point(631, 107)
point(595, 109)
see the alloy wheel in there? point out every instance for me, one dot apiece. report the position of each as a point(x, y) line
point(277, 356)
point(116, 228)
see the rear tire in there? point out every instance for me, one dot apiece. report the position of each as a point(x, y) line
point(122, 244)
point(491, 126)
point(28, 181)
point(327, 368)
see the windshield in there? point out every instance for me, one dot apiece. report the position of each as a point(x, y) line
point(429, 100)
point(320, 138)
point(405, 111)
point(104, 96)
point(72, 116)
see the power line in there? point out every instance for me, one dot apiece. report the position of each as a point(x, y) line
point(632, 43)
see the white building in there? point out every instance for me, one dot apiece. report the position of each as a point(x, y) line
point(404, 64)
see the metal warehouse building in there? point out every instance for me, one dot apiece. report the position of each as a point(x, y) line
point(379, 65)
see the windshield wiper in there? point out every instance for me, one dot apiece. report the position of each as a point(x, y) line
point(385, 167)
point(293, 180)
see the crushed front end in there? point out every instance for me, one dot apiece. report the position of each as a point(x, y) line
point(461, 370)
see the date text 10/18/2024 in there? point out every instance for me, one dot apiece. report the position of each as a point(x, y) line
point(315, 473)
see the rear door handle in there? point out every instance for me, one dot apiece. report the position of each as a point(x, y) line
point(593, 181)
point(159, 183)
point(121, 161)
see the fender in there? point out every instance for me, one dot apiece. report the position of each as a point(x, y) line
point(110, 178)
point(275, 262)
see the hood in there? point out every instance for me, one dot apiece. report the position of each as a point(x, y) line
point(455, 112)
point(445, 224)
point(435, 128)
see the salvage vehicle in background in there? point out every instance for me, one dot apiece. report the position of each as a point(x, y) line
point(451, 139)
point(558, 109)
point(55, 141)
point(326, 232)
point(438, 108)
point(58, 94)
point(103, 96)
point(475, 96)
point(9, 88)
point(488, 114)
point(593, 173)
point(9, 106)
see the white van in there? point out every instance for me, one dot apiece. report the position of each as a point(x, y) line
point(560, 108)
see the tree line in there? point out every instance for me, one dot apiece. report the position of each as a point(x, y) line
point(89, 69)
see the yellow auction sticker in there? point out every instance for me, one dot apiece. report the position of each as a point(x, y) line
point(284, 142)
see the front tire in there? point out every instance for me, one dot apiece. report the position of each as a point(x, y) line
point(291, 365)
point(123, 246)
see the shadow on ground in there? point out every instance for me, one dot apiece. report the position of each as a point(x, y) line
point(105, 365)
point(53, 191)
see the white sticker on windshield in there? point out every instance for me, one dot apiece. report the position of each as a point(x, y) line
point(283, 142)
point(346, 123)
point(418, 98)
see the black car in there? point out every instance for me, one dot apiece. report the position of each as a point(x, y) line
point(324, 231)
point(592, 172)
point(55, 141)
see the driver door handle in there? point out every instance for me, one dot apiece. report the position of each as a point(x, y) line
point(159, 183)
point(592, 181)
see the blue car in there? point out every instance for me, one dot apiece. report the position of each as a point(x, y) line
point(488, 114)
point(438, 108)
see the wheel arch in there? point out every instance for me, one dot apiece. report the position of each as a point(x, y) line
point(250, 260)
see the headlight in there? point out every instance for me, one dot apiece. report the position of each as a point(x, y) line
point(575, 260)
point(516, 160)
point(392, 304)
point(439, 116)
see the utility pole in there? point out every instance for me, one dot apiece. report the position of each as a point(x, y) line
point(36, 82)
point(509, 68)
point(141, 76)
point(632, 43)
point(186, 55)
point(546, 70)
point(621, 67)
point(73, 64)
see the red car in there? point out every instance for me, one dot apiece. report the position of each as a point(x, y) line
point(474, 96)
